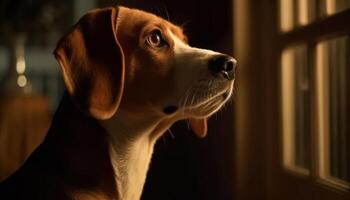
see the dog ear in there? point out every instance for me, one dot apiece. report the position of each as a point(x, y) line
point(92, 63)
point(199, 126)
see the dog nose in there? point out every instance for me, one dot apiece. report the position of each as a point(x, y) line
point(223, 65)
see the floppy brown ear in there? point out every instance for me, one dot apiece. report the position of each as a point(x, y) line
point(92, 63)
point(199, 126)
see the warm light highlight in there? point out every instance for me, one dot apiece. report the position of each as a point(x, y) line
point(331, 7)
point(322, 108)
point(288, 106)
point(21, 81)
point(286, 15)
point(303, 15)
point(20, 66)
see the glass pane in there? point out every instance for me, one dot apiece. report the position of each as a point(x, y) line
point(329, 7)
point(296, 108)
point(305, 11)
point(295, 13)
point(286, 15)
point(332, 75)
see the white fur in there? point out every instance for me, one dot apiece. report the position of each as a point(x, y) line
point(192, 70)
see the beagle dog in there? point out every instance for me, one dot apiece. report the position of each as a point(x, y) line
point(129, 76)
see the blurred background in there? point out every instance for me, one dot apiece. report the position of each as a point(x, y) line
point(284, 135)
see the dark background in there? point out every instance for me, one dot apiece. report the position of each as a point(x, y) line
point(242, 157)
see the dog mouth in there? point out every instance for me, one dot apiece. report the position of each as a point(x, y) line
point(206, 101)
point(213, 104)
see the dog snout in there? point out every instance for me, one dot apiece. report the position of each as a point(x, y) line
point(223, 65)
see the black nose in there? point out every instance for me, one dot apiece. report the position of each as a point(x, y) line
point(223, 65)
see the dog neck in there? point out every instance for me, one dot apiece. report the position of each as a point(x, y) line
point(132, 138)
point(107, 158)
point(79, 146)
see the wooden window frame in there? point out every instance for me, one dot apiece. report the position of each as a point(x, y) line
point(320, 29)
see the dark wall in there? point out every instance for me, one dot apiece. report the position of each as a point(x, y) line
point(208, 24)
point(184, 166)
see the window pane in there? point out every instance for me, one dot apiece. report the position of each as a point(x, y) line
point(329, 7)
point(332, 75)
point(305, 11)
point(296, 109)
point(295, 13)
point(286, 15)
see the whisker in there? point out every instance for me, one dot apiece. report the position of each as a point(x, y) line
point(193, 98)
point(183, 105)
point(163, 139)
point(157, 11)
point(171, 133)
point(166, 12)
point(184, 24)
point(188, 124)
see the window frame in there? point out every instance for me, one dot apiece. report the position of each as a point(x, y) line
point(321, 28)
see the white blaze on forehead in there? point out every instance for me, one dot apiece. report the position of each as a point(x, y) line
point(181, 47)
point(178, 43)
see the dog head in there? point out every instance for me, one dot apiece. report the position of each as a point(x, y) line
point(121, 58)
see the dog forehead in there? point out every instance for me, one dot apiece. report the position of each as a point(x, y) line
point(135, 20)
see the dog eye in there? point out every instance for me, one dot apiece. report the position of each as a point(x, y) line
point(155, 39)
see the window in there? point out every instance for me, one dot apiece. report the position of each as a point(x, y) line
point(315, 74)
point(296, 108)
point(332, 74)
point(330, 7)
point(294, 13)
